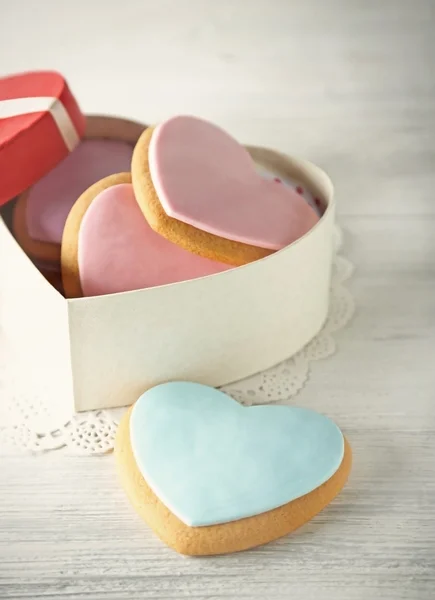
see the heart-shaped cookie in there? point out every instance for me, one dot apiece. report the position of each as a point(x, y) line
point(211, 476)
point(108, 246)
point(41, 212)
point(199, 188)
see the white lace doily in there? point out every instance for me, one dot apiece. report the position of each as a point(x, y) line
point(29, 423)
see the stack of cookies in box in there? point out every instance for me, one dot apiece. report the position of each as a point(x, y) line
point(103, 205)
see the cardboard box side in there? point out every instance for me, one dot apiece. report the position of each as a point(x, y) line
point(213, 330)
point(34, 318)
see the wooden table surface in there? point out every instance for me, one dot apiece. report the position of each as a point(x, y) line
point(349, 84)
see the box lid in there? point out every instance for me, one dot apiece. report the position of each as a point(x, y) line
point(40, 124)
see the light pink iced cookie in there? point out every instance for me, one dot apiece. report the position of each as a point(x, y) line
point(205, 178)
point(41, 213)
point(118, 251)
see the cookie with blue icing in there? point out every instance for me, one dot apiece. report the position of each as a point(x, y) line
point(210, 476)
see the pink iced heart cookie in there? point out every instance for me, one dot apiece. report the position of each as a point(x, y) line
point(41, 212)
point(109, 247)
point(199, 188)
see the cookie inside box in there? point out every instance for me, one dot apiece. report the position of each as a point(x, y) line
point(37, 217)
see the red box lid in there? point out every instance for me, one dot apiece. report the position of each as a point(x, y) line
point(40, 123)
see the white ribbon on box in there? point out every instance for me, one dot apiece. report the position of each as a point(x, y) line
point(16, 107)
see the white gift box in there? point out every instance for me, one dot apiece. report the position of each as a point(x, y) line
point(103, 352)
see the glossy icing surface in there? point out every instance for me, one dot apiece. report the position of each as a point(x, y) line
point(211, 460)
point(118, 251)
point(205, 178)
point(51, 199)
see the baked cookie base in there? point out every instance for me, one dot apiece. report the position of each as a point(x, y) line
point(70, 239)
point(227, 537)
point(184, 235)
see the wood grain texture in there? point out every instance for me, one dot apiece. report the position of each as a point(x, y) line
point(350, 85)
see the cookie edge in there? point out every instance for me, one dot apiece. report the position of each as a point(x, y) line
point(184, 235)
point(70, 238)
point(228, 537)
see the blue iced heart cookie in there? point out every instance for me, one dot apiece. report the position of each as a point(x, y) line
point(211, 460)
